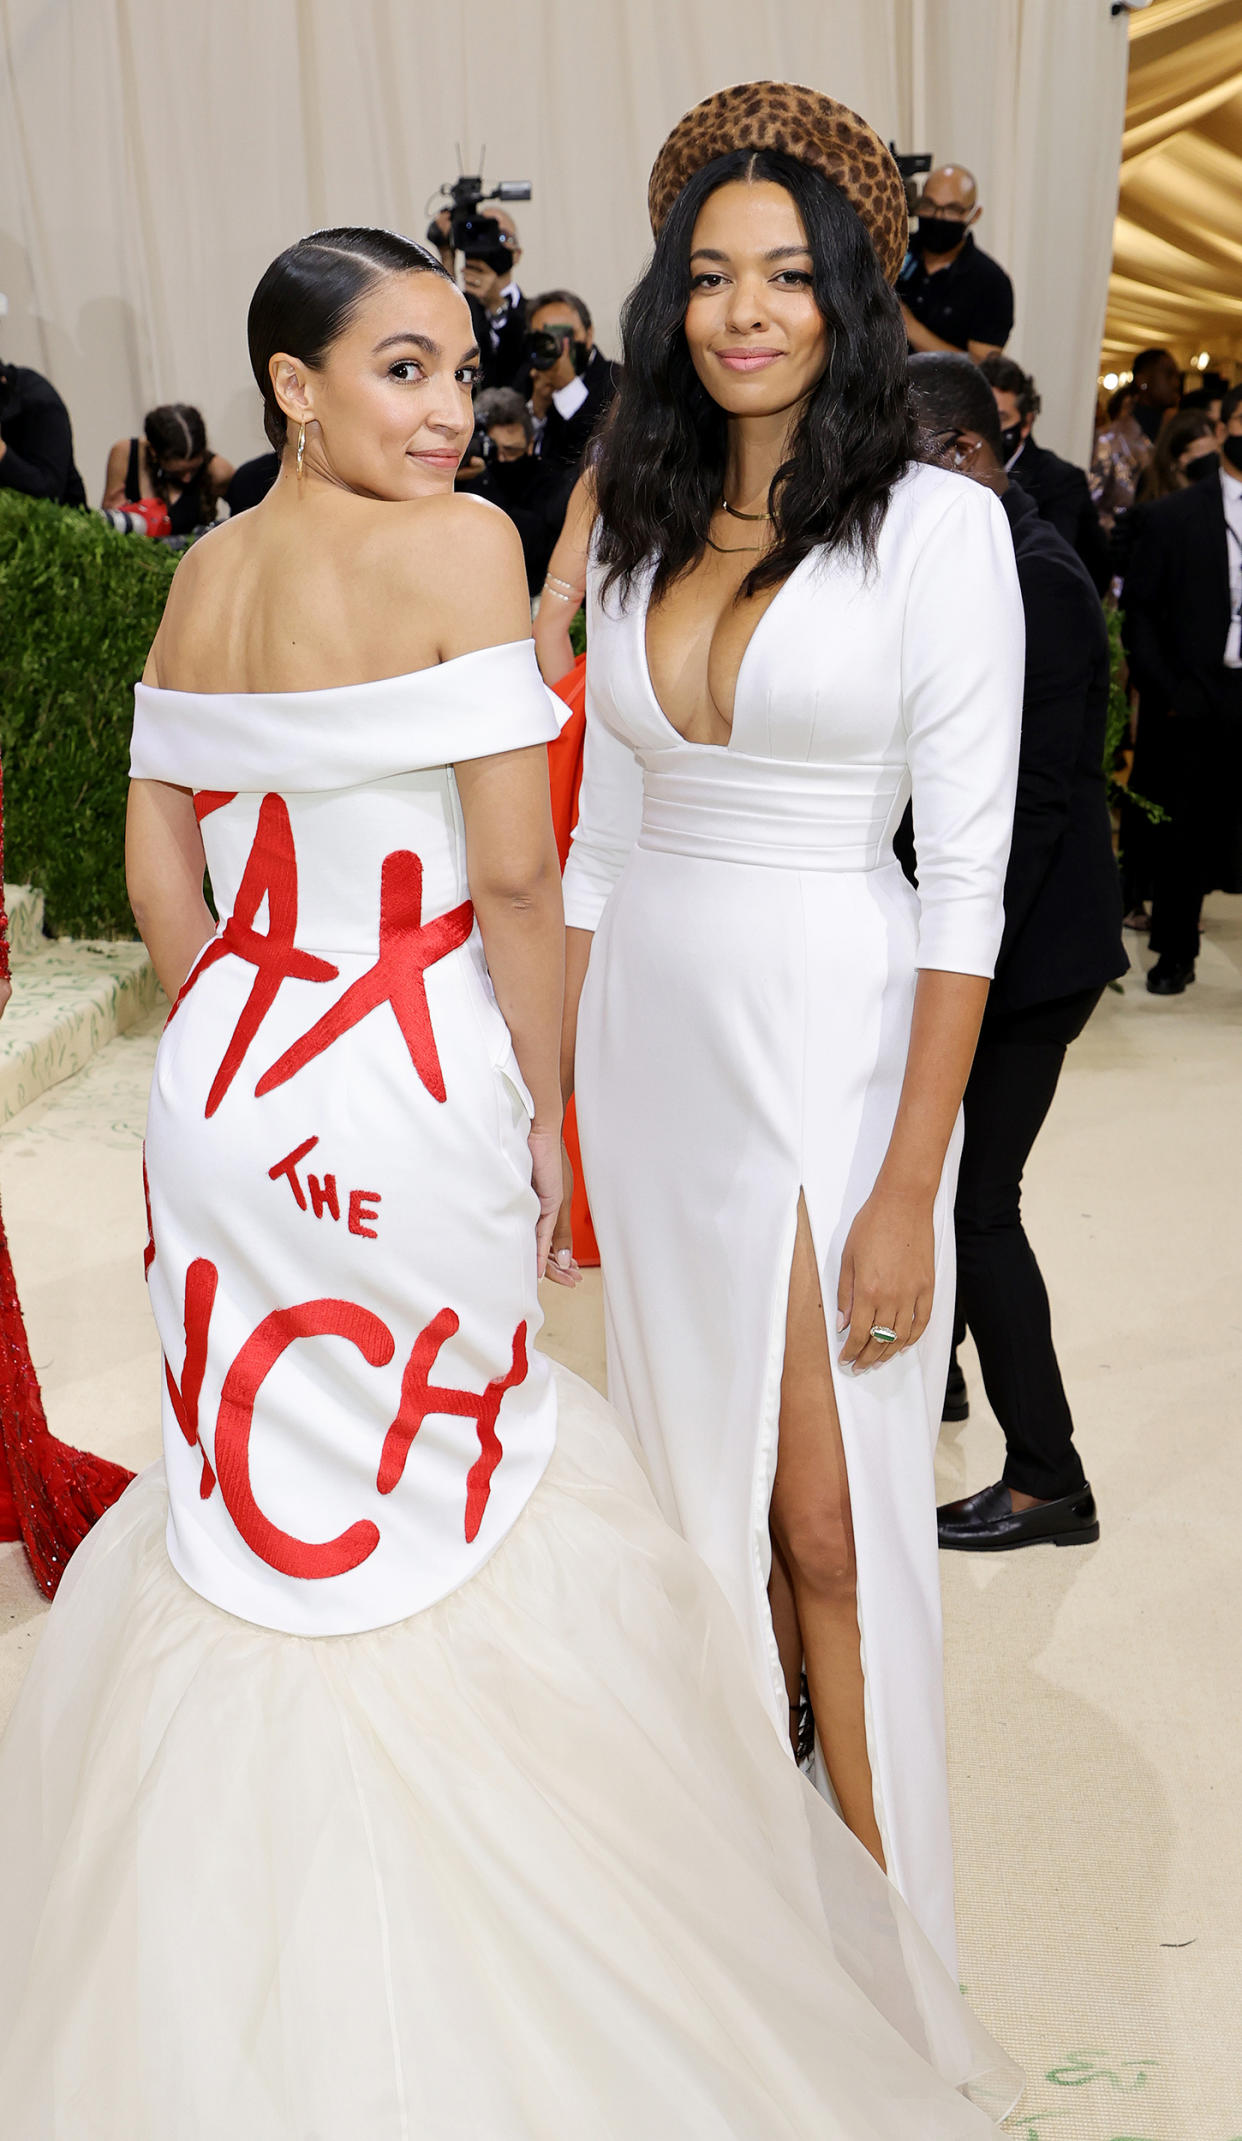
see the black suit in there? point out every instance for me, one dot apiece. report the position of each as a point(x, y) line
point(1063, 497)
point(1062, 896)
point(502, 341)
point(1189, 752)
point(534, 495)
point(565, 439)
point(1061, 944)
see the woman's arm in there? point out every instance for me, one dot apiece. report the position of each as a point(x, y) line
point(220, 474)
point(515, 884)
point(164, 870)
point(114, 479)
point(565, 585)
point(888, 1264)
point(962, 704)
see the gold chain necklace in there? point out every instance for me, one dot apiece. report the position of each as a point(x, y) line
point(738, 515)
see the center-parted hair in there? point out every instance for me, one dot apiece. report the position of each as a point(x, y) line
point(661, 466)
point(310, 294)
point(176, 432)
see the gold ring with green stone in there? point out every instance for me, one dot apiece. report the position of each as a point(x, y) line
point(882, 1334)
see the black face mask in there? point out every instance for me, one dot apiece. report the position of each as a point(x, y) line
point(1203, 465)
point(940, 234)
point(1232, 450)
point(1010, 440)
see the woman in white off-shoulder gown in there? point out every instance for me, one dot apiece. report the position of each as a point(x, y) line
point(389, 1768)
point(744, 1038)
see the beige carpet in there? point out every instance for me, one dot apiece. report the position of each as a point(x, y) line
point(1093, 1695)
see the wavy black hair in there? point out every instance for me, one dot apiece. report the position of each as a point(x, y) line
point(311, 292)
point(661, 466)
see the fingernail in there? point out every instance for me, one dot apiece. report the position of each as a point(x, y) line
point(843, 1320)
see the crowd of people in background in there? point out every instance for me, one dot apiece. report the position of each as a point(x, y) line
point(1156, 521)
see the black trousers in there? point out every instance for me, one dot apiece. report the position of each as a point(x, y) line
point(1001, 1296)
point(1198, 848)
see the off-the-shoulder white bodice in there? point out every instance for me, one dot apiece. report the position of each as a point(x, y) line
point(305, 741)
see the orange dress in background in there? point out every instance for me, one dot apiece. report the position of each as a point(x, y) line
point(50, 1495)
point(565, 774)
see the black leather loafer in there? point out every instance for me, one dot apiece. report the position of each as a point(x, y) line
point(988, 1523)
point(956, 1401)
point(1167, 978)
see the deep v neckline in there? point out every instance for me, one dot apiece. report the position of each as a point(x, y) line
point(645, 664)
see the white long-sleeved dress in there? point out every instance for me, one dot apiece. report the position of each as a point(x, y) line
point(743, 1037)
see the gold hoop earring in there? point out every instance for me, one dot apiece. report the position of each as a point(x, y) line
point(301, 446)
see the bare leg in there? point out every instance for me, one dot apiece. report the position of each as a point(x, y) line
point(784, 1609)
point(811, 1523)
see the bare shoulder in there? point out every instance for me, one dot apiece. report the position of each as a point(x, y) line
point(458, 558)
point(446, 536)
point(199, 570)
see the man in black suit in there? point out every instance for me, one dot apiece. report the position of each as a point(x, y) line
point(532, 492)
point(1183, 606)
point(1060, 491)
point(496, 303)
point(1061, 945)
point(566, 399)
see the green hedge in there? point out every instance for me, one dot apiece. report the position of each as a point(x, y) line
point(79, 607)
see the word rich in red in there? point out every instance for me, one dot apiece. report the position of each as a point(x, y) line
point(280, 1549)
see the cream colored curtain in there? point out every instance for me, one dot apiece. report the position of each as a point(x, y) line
point(1177, 269)
point(155, 154)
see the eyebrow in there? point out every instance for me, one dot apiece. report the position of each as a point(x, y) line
point(774, 252)
point(425, 343)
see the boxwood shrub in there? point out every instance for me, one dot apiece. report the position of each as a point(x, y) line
point(79, 607)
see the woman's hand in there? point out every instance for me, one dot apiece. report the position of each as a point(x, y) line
point(548, 1174)
point(888, 1274)
point(6, 990)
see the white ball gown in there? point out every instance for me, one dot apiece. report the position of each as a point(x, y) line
point(388, 1767)
point(742, 1039)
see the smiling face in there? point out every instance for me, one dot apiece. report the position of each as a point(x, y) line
point(389, 412)
point(756, 336)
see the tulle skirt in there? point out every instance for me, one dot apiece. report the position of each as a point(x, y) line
point(529, 1866)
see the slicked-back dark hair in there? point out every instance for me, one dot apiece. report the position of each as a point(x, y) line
point(310, 294)
point(661, 467)
point(949, 393)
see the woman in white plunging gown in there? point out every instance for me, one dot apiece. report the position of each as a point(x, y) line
point(790, 626)
point(389, 1769)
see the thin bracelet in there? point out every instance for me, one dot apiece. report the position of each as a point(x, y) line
point(562, 590)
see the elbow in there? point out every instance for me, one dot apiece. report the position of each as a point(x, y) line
point(523, 893)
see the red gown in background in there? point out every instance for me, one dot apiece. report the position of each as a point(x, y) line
point(50, 1495)
point(565, 774)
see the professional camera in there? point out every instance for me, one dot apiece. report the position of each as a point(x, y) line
point(479, 236)
point(544, 348)
point(914, 170)
point(138, 516)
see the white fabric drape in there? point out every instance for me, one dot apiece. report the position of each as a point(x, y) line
point(154, 157)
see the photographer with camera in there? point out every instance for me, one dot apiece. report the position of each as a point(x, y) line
point(533, 492)
point(568, 383)
point(491, 249)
